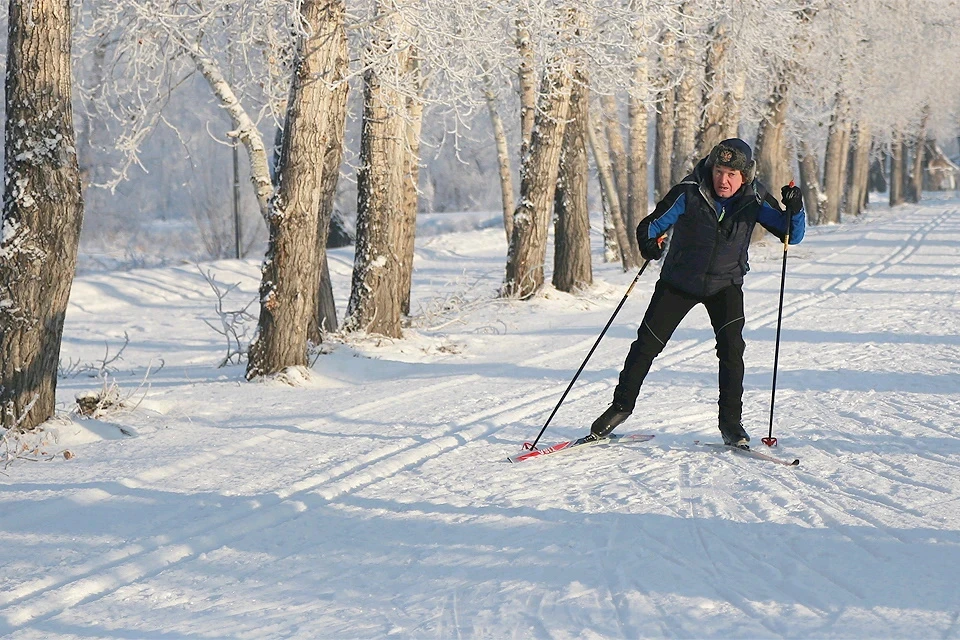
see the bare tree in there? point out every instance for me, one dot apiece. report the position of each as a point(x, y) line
point(571, 260)
point(810, 182)
point(538, 174)
point(414, 124)
point(860, 168)
point(608, 191)
point(42, 210)
point(897, 169)
point(505, 171)
point(290, 279)
point(919, 143)
point(665, 120)
point(376, 294)
point(834, 163)
point(638, 188)
point(688, 100)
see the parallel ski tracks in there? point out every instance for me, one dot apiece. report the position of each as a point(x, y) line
point(47, 597)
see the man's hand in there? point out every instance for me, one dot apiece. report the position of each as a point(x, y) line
point(652, 248)
point(792, 199)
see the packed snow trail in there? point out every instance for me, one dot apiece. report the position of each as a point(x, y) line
point(373, 500)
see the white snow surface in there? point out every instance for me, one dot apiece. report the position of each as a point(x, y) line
point(370, 496)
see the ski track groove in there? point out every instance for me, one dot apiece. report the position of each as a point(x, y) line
point(98, 578)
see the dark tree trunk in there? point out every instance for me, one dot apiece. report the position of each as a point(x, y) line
point(571, 259)
point(42, 210)
point(325, 318)
point(411, 180)
point(376, 292)
point(896, 170)
point(810, 183)
point(538, 179)
point(859, 168)
point(665, 124)
point(291, 273)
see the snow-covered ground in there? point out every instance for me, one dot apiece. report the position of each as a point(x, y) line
point(373, 499)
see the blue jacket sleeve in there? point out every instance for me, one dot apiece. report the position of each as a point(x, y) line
point(664, 216)
point(774, 220)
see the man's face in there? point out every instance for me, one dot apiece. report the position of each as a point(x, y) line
point(726, 181)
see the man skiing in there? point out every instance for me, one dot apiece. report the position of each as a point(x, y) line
point(713, 212)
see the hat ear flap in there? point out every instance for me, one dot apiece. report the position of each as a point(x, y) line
point(712, 158)
point(750, 172)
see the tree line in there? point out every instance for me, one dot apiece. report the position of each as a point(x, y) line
point(840, 96)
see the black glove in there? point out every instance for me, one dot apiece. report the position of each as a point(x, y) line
point(792, 199)
point(652, 248)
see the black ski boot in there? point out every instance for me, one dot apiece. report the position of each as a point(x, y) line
point(608, 421)
point(735, 435)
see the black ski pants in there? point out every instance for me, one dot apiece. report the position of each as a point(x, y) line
point(668, 307)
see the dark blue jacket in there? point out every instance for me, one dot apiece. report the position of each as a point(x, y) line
point(708, 248)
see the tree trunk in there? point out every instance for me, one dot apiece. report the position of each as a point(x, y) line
point(618, 163)
point(919, 141)
point(571, 259)
point(771, 148)
point(896, 170)
point(411, 193)
point(42, 210)
point(715, 94)
point(325, 317)
point(244, 127)
point(687, 111)
point(877, 177)
point(503, 158)
point(528, 85)
point(734, 105)
point(860, 167)
point(770, 151)
point(833, 163)
point(810, 183)
point(608, 191)
point(538, 179)
point(638, 194)
point(665, 124)
point(291, 270)
point(376, 294)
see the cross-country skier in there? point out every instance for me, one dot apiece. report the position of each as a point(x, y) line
point(712, 212)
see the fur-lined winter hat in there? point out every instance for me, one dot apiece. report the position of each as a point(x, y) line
point(736, 154)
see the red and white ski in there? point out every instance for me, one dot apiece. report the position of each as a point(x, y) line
point(614, 438)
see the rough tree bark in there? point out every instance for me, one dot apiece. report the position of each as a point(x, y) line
point(665, 122)
point(618, 163)
point(834, 162)
point(376, 294)
point(571, 259)
point(325, 317)
point(290, 275)
point(896, 169)
point(810, 182)
point(919, 144)
point(411, 192)
point(42, 210)
point(538, 179)
point(687, 111)
point(503, 157)
point(715, 115)
point(527, 76)
point(638, 192)
point(608, 191)
point(860, 168)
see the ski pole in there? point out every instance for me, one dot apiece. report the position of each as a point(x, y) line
point(770, 441)
point(533, 445)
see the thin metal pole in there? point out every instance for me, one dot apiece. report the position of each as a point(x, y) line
point(594, 348)
point(236, 201)
point(770, 441)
